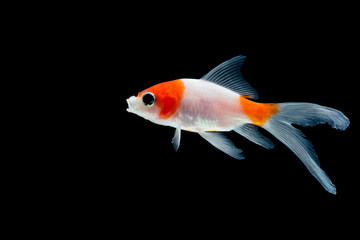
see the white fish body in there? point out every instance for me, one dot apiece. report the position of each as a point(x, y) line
point(200, 111)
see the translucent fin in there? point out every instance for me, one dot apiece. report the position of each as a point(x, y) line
point(222, 143)
point(303, 149)
point(251, 132)
point(176, 139)
point(228, 75)
point(310, 114)
point(305, 114)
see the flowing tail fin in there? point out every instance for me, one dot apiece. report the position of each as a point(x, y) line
point(305, 114)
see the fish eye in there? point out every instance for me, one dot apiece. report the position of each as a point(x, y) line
point(148, 99)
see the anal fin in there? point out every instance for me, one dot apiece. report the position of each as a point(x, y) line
point(251, 132)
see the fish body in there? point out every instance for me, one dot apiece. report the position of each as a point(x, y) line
point(221, 101)
point(202, 111)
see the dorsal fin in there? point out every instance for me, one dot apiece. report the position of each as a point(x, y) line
point(228, 75)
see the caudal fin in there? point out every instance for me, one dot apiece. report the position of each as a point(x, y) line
point(305, 114)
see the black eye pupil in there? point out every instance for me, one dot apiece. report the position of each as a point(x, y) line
point(148, 99)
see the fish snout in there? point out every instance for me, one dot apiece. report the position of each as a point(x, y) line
point(131, 104)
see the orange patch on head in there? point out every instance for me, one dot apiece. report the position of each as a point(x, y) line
point(168, 96)
point(258, 113)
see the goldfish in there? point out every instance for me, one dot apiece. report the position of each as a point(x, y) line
point(222, 101)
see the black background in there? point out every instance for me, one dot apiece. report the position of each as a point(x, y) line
point(287, 63)
point(109, 164)
point(291, 63)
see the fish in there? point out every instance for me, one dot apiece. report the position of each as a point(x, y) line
point(222, 101)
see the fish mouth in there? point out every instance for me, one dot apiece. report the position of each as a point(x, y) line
point(128, 109)
point(130, 104)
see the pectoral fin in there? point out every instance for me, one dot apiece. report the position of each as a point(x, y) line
point(176, 139)
point(222, 143)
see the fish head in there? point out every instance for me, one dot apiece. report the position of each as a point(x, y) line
point(159, 102)
point(144, 106)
